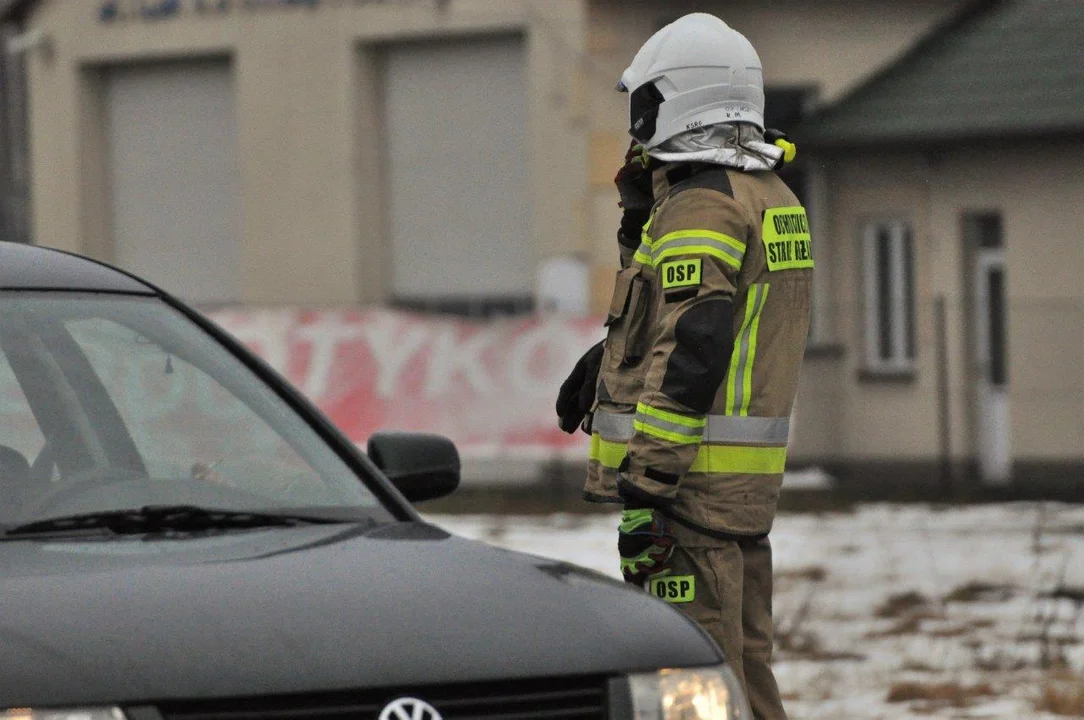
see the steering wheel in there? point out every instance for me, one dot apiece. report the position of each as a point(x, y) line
point(79, 483)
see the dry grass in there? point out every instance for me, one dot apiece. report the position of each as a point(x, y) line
point(901, 604)
point(918, 666)
point(807, 646)
point(945, 694)
point(1063, 695)
point(910, 624)
point(950, 631)
point(814, 573)
point(980, 592)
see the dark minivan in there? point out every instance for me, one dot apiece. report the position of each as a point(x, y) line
point(184, 537)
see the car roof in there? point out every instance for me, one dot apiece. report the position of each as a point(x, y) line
point(30, 267)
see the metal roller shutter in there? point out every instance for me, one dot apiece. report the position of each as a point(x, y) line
point(174, 186)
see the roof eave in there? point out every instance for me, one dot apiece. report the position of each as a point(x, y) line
point(936, 140)
point(15, 11)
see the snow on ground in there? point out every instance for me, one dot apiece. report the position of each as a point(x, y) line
point(895, 611)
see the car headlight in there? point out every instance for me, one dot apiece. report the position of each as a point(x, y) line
point(693, 694)
point(108, 713)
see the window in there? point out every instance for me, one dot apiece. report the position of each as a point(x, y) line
point(21, 433)
point(888, 267)
point(134, 399)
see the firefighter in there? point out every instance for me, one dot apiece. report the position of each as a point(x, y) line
point(689, 397)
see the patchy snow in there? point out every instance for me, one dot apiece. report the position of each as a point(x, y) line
point(894, 611)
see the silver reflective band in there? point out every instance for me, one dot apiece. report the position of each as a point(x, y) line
point(617, 427)
point(612, 426)
point(747, 429)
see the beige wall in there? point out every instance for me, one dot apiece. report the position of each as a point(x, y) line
point(827, 45)
point(1036, 189)
point(313, 221)
point(309, 144)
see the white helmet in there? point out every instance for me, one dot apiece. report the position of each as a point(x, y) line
point(696, 71)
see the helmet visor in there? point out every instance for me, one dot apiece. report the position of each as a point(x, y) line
point(644, 111)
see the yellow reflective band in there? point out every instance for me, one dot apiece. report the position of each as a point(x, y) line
point(737, 397)
point(734, 243)
point(680, 273)
point(674, 437)
point(747, 378)
point(740, 460)
point(609, 454)
point(693, 422)
point(786, 238)
point(642, 258)
point(699, 250)
point(673, 588)
point(699, 242)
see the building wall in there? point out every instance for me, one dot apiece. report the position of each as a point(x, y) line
point(313, 221)
point(313, 226)
point(1034, 187)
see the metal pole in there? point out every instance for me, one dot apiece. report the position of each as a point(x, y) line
point(944, 417)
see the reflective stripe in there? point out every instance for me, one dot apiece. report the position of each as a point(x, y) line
point(612, 426)
point(694, 242)
point(735, 429)
point(740, 460)
point(643, 255)
point(739, 388)
point(681, 429)
point(717, 459)
point(674, 433)
point(689, 421)
point(618, 427)
point(609, 454)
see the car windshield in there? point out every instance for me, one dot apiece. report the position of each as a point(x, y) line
point(113, 401)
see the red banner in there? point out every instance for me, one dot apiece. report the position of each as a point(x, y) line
point(489, 386)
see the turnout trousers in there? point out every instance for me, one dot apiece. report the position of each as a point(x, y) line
point(733, 602)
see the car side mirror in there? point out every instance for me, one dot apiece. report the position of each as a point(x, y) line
point(420, 466)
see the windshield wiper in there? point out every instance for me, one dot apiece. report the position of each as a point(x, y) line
point(165, 518)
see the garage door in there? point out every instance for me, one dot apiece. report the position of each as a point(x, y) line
point(455, 119)
point(174, 178)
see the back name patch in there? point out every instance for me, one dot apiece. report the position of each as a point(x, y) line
point(680, 273)
point(786, 238)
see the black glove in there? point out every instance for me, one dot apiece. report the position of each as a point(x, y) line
point(577, 393)
point(633, 181)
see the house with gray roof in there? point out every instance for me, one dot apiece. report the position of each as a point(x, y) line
point(950, 237)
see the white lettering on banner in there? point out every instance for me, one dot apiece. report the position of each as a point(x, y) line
point(484, 384)
point(325, 338)
point(450, 357)
point(551, 348)
point(268, 333)
point(392, 345)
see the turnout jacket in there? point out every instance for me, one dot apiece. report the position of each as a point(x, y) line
point(706, 333)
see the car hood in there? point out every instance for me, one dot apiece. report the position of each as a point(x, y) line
point(311, 609)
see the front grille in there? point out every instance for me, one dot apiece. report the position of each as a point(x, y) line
point(541, 699)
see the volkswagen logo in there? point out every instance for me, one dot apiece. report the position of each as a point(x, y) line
point(408, 708)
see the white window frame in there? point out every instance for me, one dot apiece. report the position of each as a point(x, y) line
point(899, 355)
